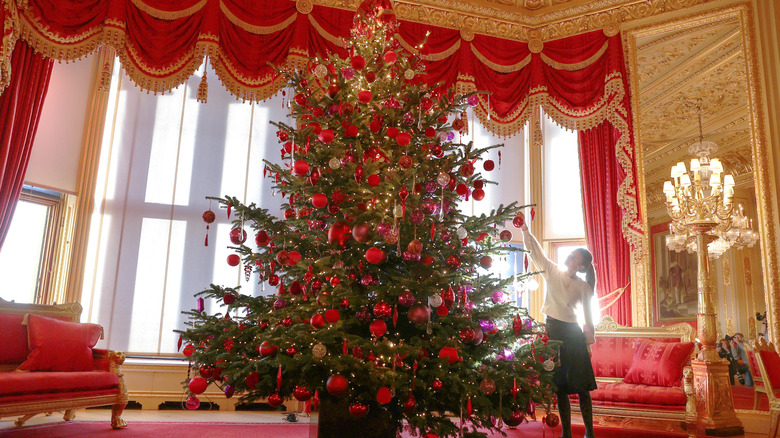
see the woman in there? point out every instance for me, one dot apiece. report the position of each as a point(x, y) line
point(574, 373)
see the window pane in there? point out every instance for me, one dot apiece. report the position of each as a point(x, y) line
point(20, 257)
point(562, 191)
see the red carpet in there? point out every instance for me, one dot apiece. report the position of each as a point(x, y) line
point(84, 429)
point(743, 398)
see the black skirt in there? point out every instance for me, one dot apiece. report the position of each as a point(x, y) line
point(573, 371)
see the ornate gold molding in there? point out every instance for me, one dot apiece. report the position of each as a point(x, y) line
point(512, 19)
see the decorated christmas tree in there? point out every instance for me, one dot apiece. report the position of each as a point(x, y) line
point(384, 301)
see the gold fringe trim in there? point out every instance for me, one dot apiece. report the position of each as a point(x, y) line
point(7, 46)
point(169, 15)
point(161, 80)
point(498, 67)
point(57, 47)
point(251, 28)
point(432, 56)
point(338, 41)
point(576, 66)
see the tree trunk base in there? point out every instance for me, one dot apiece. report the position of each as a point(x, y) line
point(333, 420)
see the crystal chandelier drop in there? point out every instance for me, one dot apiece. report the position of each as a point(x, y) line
point(702, 197)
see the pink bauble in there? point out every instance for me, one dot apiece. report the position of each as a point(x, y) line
point(419, 314)
point(406, 298)
point(498, 297)
point(192, 403)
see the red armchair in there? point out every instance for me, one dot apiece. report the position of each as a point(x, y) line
point(768, 365)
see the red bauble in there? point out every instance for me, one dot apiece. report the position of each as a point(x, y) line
point(453, 262)
point(390, 57)
point(374, 180)
point(489, 165)
point(237, 236)
point(414, 247)
point(467, 335)
point(552, 420)
point(448, 296)
point(206, 371)
point(197, 385)
point(296, 288)
point(228, 298)
point(289, 214)
point(301, 393)
point(291, 351)
point(375, 255)
point(357, 62)
point(273, 279)
point(301, 167)
point(437, 385)
point(419, 314)
point(332, 315)
point(378, 328)
point(351, 131)
point(362, 232)
point(450, 354)
point(403, 139)
point(339, 233)
point(318, 321)
point(337, 385)
point(383, 395)
point(467, 169)
point(461, 189)
point(252, 379)
point(405, 161)
point(486, 262)
point(364, 96)
point(410, 404)
point(293, 258)
point(519, 220)
point(326, 136)
point(334, 281)
point(233, 260)
point(478, 184)
point(333, 91)
point(514, 419)
point(261, 239)
point(406, 298)
point(319, 200)
point(344, 304)
point(275, 400)
point(370, 77)
point(268, 349)
point(209, 216)
point(392, 132)
point(382, 310)
point(282, 257)
point(478, 194)
point(505, 235)
point(358, 409)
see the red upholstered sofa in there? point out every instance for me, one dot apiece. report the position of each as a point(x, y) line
point(643, 375)
point(85, 378)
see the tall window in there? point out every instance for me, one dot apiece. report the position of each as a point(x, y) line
point(29, 248)
point(564, 225)
point(161, 156)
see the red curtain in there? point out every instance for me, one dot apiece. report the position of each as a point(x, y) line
point(20, 110)
point(601, 177)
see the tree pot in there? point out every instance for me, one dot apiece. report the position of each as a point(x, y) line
point(333, 420)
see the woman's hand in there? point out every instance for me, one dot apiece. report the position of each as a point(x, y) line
point(524, 227)
point(590, 335)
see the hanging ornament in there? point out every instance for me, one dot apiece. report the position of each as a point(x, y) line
point(533, 213)
point(519, 220)
point(378, 328)
point(320, 71)
point(505, 235)
point(549, 365)
point(403, 194)
point(319, 350)
point(208, 217)
point(337, 385)
point(383, 395)
point(358, 409)
point(409, 74)
point(488, 386)
point(237, 236)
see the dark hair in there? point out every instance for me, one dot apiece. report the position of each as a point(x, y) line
point(587, 263)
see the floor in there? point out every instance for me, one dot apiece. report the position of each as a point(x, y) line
point(754, 422)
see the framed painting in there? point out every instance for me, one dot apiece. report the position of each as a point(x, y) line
point(674, 279)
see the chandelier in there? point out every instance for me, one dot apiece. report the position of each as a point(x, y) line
point(700, 197)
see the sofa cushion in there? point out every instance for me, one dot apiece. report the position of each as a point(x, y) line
point(60, 345)
point(14, 339)
point(67, 397)
point(621, 392)
point(612, 356)
point(659, 363)
point(771, 362)
point(43, 382)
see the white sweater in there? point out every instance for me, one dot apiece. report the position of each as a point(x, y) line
point(563, 292)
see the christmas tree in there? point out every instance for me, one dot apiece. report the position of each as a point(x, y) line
point(384, 298)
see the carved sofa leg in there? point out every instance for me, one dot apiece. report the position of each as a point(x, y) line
point(69, 415)
point(116, 415)
point(21, 420)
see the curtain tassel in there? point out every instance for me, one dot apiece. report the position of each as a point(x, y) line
point(465, 119)
point(203, 87)
point(105, 77)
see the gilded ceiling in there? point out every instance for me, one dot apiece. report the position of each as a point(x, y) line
point(676, 69)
